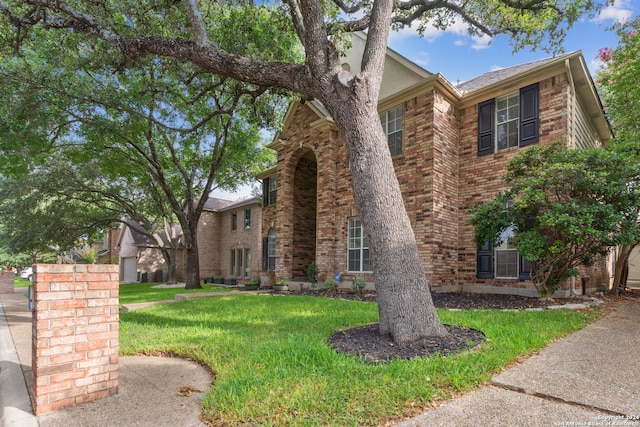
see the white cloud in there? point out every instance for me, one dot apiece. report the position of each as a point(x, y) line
point(618, 12)
point(459, 27)
point(481, 42)
point(422, 58)
point(460, 42)
point(496, 67)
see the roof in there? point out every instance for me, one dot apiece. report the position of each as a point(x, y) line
point(215, 204)
point(242, 203)
point(502, 74)
point(141, 238)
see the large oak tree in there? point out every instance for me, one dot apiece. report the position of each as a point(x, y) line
point(405, 306)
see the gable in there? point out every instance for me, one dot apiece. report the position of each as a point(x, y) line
point(399, 72)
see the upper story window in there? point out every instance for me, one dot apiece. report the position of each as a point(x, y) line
point(392, 125)
point(234, 221)
point(269, 191)
point(509, 121)
point(247, 218)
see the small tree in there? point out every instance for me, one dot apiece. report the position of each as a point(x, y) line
point(618, 83)
point(564, 208)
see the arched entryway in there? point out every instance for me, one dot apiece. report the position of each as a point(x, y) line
point(305, 192)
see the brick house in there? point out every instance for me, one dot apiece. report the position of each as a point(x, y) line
point(228, 242)
point(450, 145)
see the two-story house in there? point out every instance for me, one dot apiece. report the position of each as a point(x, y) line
point(228, 244)
point(450, 145)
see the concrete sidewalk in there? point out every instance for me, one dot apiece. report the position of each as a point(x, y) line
point(152, 391)
point(592, 378)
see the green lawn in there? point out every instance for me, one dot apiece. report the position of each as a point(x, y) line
point(274, 367)
point(21, 283)
point(143, 292)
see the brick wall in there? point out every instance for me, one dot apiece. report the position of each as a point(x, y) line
point(209, 244)
point(75, 334)
point(6, 282)
point(481, 176)
point(440, 174)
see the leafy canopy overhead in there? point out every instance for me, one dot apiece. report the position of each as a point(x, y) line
point(252, 42)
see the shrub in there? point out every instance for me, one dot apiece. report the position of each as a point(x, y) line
point(359, 283)
point(330, 284)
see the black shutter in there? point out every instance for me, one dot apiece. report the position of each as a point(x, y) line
point(529, 122)
point(484, 269)
point(527, 269)
point(265, 253)
point(265, 192)
point(486, 111)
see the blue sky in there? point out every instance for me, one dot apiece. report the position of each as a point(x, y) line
point(458, 56)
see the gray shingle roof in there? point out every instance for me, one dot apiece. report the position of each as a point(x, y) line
point(496, 76)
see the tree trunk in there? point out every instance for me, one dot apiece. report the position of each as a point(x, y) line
point(405, 306)
point(621, 265)
point(169, 255)
point(192, 273)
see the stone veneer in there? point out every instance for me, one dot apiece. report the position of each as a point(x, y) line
point(75, 334)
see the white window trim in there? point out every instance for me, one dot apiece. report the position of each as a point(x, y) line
point(362, 247)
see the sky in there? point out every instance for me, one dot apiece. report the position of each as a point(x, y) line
point(459, 57)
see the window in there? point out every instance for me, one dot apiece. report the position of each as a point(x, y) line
point(506, 256)
point(233, 262)
point(507, 116)
point(234, 221)
point(247, 262)
point(358, 258)
point(269, 251)
point(392, 125)
point(269, 191)
point(504, 260)
point(247, 218)
point(509, 121)
point(239, 269)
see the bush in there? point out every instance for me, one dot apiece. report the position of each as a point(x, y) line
point(359, 283)
point(330, 284)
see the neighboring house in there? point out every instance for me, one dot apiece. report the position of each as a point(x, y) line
point(228, 243)
point(450, 145)
point(108, 252)
point(229, 238)
point(633, 280)
point(139, 252)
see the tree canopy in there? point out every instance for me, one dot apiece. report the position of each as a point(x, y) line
point(564, 208)
point(146, 138)
point(618, 84)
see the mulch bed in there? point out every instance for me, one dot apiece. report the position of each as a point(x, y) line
point(367, 343)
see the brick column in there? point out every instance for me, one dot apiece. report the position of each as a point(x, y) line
point(75, 334)
point(6, 282)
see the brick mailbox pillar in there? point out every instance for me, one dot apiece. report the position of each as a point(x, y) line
point(75, 334)
point(6, 282)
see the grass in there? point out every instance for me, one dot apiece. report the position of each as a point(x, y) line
point(143, 292)
point(21, 283)
point(274, 367)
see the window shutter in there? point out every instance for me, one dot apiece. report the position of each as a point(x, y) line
point(265, 192)
point(484, 269)
point(529, 122)
point(486, 127)
point(527, 269)
point(265, 253)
